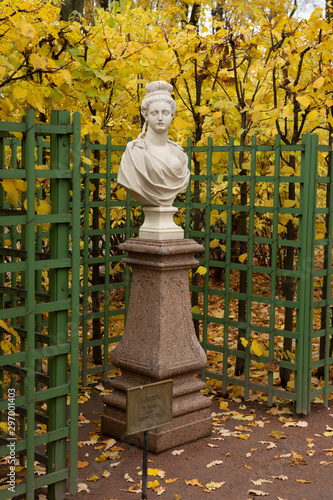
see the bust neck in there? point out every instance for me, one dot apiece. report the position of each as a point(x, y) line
point(156, 139)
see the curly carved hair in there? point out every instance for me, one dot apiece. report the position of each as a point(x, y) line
point(163, 97)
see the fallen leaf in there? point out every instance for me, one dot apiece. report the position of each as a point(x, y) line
point(82, 419)
point(114, 464)
point(281, 477)
point(276, 411)
point(81, 465)
point(297, 460)
point(328, 433)
point(214, 486)
point(172, 480)
point(88, 443)
point(212, 445)
point(153, 484)
point(295, 424)
point(82, 487)
point(153, 472)
point(177, 452)
point(106, 473)
point(326, 463)
point(215, 462)
point(270, 444)
point(243, 436)
point(258, 493)
point(100, 387)
point(303, 481)
point(110, 443)
point(128, 478)
point(259, 482)
point(194, 482)
point(160, 490)
point(93, 478)
point(278, 435)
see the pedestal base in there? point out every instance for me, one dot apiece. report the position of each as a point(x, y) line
point(159, 343)
point(191, 414)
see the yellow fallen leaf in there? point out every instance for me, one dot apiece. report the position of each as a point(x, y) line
point(242, 257)
point(214, 486)
point(326, 463)
point(194, 482)
point(153, 484)
point(278, 435)
point(172, 480)
point(243, 436)
point(244, 341)
point(153, 472)
point(303, 481)
point(93, 478)
point(257, 348)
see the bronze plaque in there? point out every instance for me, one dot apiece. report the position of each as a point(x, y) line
point(149, 406)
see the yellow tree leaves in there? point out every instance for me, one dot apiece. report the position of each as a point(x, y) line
point(250, 78)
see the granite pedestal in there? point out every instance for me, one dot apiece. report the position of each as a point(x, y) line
point(159, 343)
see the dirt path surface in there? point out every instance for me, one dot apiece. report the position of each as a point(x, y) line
point(253, 452)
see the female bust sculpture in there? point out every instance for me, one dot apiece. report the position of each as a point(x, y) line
point(154, 169)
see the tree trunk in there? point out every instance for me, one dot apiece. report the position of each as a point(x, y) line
point(70, 6)
point(242, 228)
point(289, 289)
point(95, 296)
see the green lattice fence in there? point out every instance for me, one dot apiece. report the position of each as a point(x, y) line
point(39, 269)
point(263, 214)
point(262, 309)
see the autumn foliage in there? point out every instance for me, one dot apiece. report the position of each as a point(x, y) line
point(238, 73)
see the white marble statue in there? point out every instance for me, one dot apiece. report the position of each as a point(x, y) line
point(154, 169)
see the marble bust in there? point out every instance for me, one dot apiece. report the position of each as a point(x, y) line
point(154, 169)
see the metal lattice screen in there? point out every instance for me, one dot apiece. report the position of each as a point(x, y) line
point(255, 210)
point(39, 272)
point(262, 293)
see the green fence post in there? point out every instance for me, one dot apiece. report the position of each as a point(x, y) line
point(28, 157)
point(58, 320)
point(306, 268)
point(75, 319)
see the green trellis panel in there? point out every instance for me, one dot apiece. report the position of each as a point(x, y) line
point(40, 313)
point(300, 364)
point(84, 248)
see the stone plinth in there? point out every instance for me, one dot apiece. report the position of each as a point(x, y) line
point(159, 343)
point(159, 224)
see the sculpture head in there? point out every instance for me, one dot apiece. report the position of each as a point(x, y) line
point(155, 92)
